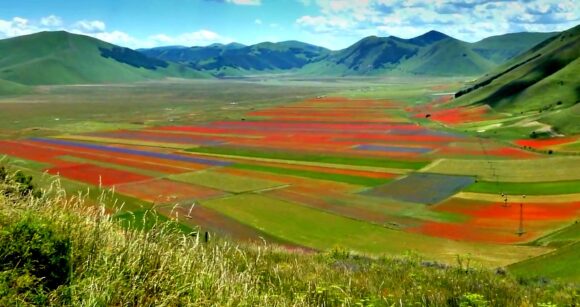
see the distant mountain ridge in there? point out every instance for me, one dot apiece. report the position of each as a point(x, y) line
point(65, 58)
point(432, 53)
point(228, 59)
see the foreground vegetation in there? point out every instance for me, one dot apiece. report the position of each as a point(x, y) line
point(56, 249)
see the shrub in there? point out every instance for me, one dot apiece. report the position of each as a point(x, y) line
point(34, 259)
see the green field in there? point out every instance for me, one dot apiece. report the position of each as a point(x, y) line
point(225, 182)
point(532, 170)
point(70, 109)
point(358, 180)
point(561, 237)
point(322, 230)
point(310, 157)
point(562, 264)
point(529, 188)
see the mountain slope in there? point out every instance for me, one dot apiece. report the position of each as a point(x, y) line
point(225, 59)
point(544, 81)
point(12, 88)
point(432, 53)
point(449, 57)
point(65, 58)
point(368, 56)
point(501, 48)
point(181, 54)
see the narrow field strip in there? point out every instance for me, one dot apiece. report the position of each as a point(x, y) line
point(112, 140)
point(155, 137)
point(555, 199)
point(328, 170)
point(295, 156)
point(357, 180)
point(234, 159)
point(176, 130)
point(20, 162)
point(399, 149)
point(134, 170)
point(528, 188)
point(151, 163)
point(294, 181)
point(97, 175)
point(531, 170)
point(163, 191)
point(133, 152)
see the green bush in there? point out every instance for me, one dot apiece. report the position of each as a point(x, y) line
point(34, 259)
point(18, 184)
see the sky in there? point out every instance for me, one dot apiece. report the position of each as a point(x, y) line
point(334, 24)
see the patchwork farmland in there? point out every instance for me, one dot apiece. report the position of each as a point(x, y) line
point(333, 171)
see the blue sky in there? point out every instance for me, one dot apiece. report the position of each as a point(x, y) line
point(334, 24)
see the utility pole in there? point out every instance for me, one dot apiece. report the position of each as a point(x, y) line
point(521, 230)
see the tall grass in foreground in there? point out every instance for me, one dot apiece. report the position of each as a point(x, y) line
point(63, 251)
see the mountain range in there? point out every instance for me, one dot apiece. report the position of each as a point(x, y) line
point(65, 58)
point(432, 53)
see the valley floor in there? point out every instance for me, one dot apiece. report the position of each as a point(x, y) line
point(377, 167)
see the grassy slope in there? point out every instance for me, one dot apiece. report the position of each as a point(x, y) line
point(449, 57)
point(562, 264)
point(561, 237)
point(64, 58)
point(430, 54)
point(13, 88)
point(501, 48)
point(541, 83)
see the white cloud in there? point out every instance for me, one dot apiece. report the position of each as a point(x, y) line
point(15, 27)
point(258, 21)
point(469, 20)
point(18, 26)
point(90, 26)
point(51, 21)
point(198, 38)
point(245, 2)
point(324, 24)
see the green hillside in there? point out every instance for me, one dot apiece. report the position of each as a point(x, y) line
point(563, 264)
point(432, 53)
point(499, 49)
point(235, 59)
point(449, 57)
point(542, 83)
point(12, 88)
point(65, 58)
point(181, 54)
